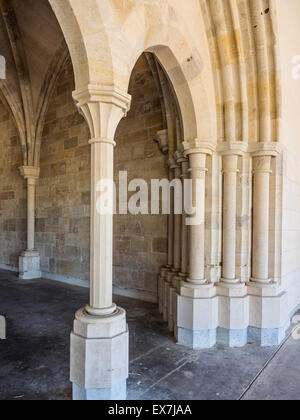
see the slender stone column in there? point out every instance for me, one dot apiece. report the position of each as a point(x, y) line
point(171, 220)
point(261, 217)
point(230, 170)
point(197, 231)
point(162, 138)
point(177, 225)
point(182, 271)
point(176, 249)
point(168, 272)
point(233, 299)
point(99, 341)
point(29, 261)
point(184, 228)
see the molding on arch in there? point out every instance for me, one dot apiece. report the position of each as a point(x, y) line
point(235, 94)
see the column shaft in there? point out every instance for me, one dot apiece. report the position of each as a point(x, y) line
point(197, 231)
point(229, 218)
point(177, 226)
point(171, 225)
point(31, 185)
point(261, 209)
point(102, 161)
point(184, 227)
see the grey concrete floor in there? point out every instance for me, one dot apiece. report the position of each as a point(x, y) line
point(34, 360)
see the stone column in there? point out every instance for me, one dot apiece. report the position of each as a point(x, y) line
point(261, 217)
point(177, 218)
point(182, 272)
point(233, 299)
point(269, 318)
point(230, 170)
point(99, 341)
point(197, 302)
point(162, 138)
point(168, 272)
point(197, 232)
point(29, 262)
point(184, 228)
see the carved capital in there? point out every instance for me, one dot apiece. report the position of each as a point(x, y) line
point(197, 146)
point(262, 164)
point(265, 149)
point(103, 107)
point(30, 172)
point(238, 148)
point(163, 140)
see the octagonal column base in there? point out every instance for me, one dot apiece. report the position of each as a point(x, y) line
point(269, 318)
point(99, 356)
point(197, 322)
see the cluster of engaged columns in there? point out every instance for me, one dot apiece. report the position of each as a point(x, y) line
point(232, 311)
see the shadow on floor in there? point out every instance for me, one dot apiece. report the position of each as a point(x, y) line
point(34, 360)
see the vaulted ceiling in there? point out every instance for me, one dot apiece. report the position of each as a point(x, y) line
point(33, 45)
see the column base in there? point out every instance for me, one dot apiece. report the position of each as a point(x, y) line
point(99, 356)
point(197, 321)
point(30, 266)
point(117, 393)
point(267, 337)
point(2, 328)
point(269, 318)
point(233, 314)
point(203, 339)
point(232, 338)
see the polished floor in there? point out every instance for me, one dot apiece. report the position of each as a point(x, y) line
point(34, 360)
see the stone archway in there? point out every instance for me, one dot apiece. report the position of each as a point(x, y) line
point(224, 72)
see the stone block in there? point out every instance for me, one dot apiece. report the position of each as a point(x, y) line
point(29, 266)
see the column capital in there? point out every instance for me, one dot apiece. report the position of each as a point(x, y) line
point(30, 172)
point(103, 107)
point(179, 157)
point(262, 164)
point(238, 148)
point(198, 146)
point(272, 149)
point(172, 164)
point(163, 140)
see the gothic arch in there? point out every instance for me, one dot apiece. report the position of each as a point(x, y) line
point(125, 36)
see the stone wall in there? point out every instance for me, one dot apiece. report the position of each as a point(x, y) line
point(63, 192)
point(12, 194)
